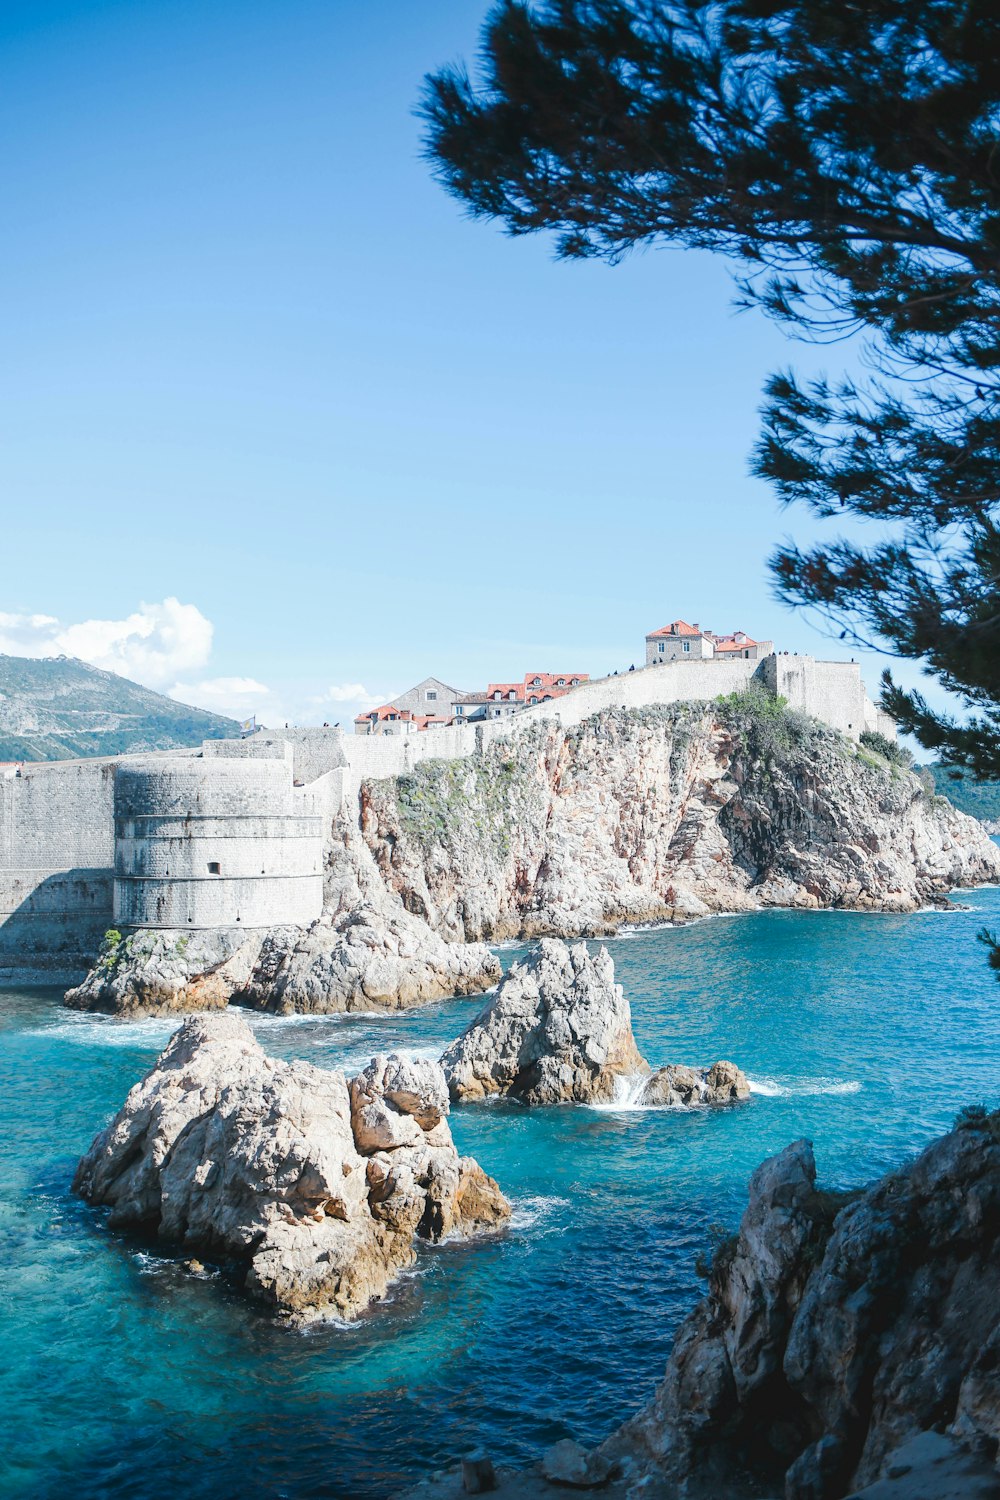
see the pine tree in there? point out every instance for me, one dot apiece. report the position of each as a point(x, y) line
point(845, 155)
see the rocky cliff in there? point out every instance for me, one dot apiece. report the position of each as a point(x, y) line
point(836, 1328)
point(638, 815)
point(664, 813)
point(847, 1340)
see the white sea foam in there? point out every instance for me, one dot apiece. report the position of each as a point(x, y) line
point(627, 1096)
point(90, 1030)
point(149, 1264)
point(529, 1213)
point(775, 1088)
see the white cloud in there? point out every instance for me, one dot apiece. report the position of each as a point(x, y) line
point(351, 692)
point(151, 646)
point(236, 696)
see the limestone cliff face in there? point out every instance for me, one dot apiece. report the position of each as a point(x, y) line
point(659, 813)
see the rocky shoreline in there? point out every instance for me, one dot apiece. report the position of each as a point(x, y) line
point(849, 1345)
point(646, 815)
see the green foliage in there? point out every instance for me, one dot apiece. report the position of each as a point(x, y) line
point(980, 799)
point(989, 940)
point(713, 1262)
point(979, 1117)
point(846, 156)
point(896, 755)
point(766, 727)
point(439, 800)
point(111, 949)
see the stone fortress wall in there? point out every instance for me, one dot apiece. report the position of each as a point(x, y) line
point(215, 842)
point(133, 841)
point(57, 852)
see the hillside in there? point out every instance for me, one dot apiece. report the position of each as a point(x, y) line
point(980, 799)
point(58, 708)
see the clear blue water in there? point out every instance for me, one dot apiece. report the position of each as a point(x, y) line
point(122, 1375)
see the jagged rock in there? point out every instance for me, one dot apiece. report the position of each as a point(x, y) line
point(558, 1028)
point(269, 1165)
point(372, 960)
point(663, 813)
point(376, 958)
point(836, 1328)
point(722, 1083)
point(166, 970)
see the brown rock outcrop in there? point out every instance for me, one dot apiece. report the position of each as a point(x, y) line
point(312, 1189)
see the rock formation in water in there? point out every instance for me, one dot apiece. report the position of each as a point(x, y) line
point(838, 1327)
point(559, 1029)
point(847, 1340)
point(664, 813)
point(311, 1188)
point(722, 1083)
point(151, 971)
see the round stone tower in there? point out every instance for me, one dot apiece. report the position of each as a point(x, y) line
point(214, 843)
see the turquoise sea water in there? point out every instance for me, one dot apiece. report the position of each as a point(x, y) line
point(122, 1375)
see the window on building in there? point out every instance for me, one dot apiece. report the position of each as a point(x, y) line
point(536, 682)
point(459, 709)
point(686, 646)
point(747, 655)
point(532, 699)
point(431, 693)
point(214, 868)
point(511, 697)
point(661, 647)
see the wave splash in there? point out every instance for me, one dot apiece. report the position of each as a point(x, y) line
point(774, 1088)
point(529, 1213)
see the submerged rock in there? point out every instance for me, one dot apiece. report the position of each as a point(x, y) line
point(722, 1083)
point(558, 1028)
point(312, 1189)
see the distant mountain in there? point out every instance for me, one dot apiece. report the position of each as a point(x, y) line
point(980, 799)
point(58, 708)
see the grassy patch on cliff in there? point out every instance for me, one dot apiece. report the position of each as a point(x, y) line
point(440, 801)
point(766, 728)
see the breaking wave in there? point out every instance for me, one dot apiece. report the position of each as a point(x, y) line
point(775, 1088)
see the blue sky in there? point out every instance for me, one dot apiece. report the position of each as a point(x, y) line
point(283, 430)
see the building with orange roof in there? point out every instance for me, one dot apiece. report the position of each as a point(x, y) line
point(680, 641)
